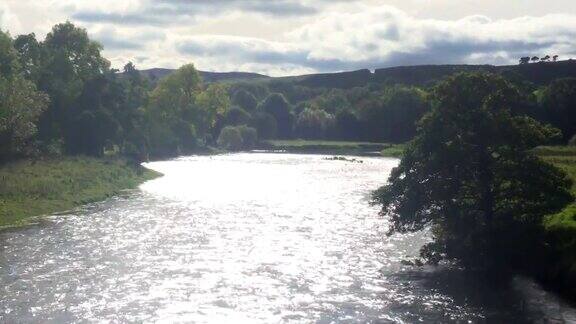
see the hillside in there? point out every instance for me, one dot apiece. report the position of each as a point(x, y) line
point(538, 73)
point(158, 73)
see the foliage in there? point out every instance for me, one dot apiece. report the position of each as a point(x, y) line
point(181, 110)
point(249, 136)
point(8, 56)
point(266, 125)
point(20, 104)
point(245, 100)
point(314, 124)
point(559, 102)
point(214, 103)
point(237, 116)
point(469, 175)
point(30, 56)
point(278, 107)
point(237, 138)
point(391, 115)
point(20, 107)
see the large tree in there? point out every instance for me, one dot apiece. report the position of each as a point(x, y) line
point(277, 106)
point(559, 101)
point(469, 175)
point(20, 104)
point(70, 59)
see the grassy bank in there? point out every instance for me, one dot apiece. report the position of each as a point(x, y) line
point(563, 157)
point(561, 227)
point(393, 150)
point(32, 188)
point(332, 147)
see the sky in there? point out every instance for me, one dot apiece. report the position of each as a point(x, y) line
point(292, 37)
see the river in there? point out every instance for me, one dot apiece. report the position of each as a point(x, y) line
point(245, 238)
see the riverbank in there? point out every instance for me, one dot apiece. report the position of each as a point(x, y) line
point(33, 188)
point(333, 147)
point(561, 227)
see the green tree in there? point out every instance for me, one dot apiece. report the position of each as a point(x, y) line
point(332, 101)
point(132, 114)
point(237, 116)
point(94, 132)
point(559, 101)
point(173, 103)
point(214, 104)
point(21, 104)
point(347, 125)
point(245, 100)
point(70, 59)
point(404, 106)
point(30, 55)
point(469, 175)
point(266, 125)
point(230, 139)
point(8, 57)
point(314, 124)
point(277, 106)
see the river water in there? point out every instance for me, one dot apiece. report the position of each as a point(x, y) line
point(245, 238)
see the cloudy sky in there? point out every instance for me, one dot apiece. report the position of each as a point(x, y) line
point(288, 37)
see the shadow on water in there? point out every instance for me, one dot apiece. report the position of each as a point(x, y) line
point(450, 295)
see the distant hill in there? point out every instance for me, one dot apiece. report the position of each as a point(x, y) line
point(158, 73)
point(418, 75)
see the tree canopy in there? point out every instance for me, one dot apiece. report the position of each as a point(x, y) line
point(469, 175)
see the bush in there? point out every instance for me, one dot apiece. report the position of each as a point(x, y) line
point(230, 139)
point(237, 138)
point(249, 136)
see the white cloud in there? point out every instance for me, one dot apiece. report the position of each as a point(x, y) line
point(8, 20)
point(328, 35)
point(384, 36)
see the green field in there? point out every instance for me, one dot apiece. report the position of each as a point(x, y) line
point(336, 147)
point(32, 188)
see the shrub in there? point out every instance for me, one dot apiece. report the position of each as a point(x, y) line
point(249, 136)
point(230, 138)
point(237, 138)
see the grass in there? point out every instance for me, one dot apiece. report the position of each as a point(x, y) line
point(394, 150)
point(33, 188)
point(340, 147)
point(562, 226)
point(564, 157)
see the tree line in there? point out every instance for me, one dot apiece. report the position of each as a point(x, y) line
point(61, 96)
point(536, 59)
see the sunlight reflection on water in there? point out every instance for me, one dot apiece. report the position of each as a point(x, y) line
point(243, 238)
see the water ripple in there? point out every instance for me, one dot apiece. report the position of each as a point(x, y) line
point(246, 238)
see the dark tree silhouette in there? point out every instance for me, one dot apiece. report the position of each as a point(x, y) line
point(469, 174)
